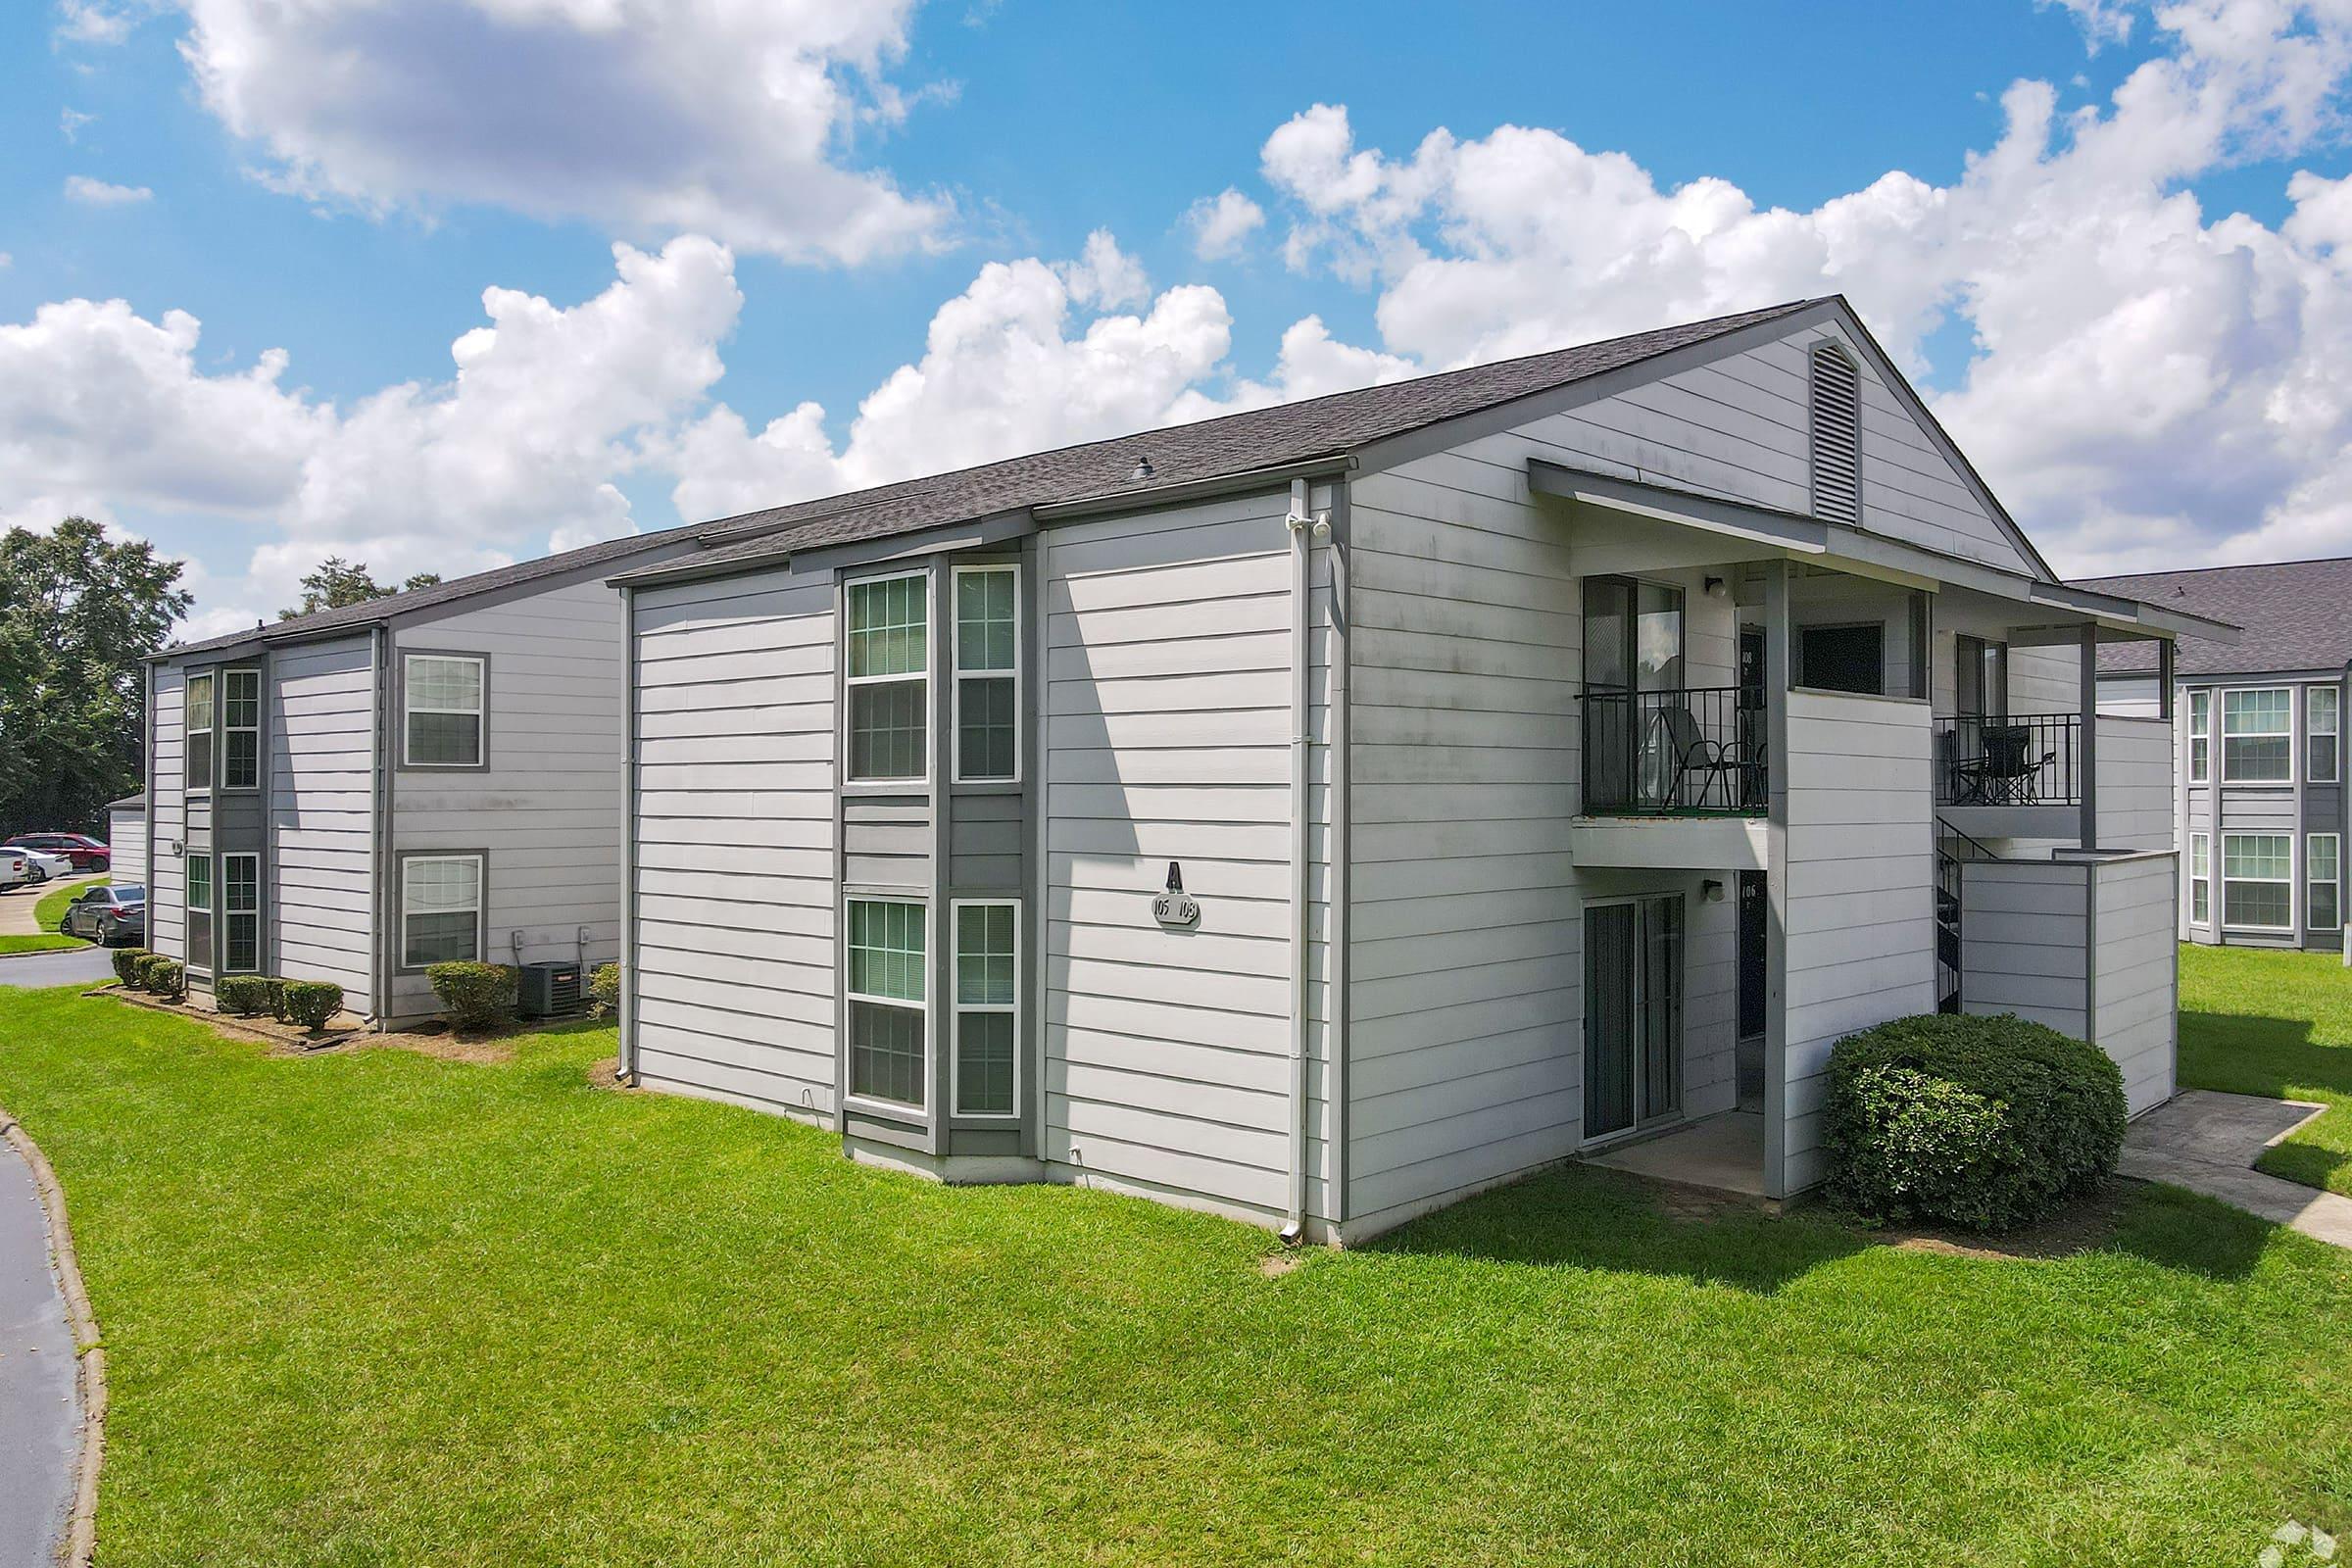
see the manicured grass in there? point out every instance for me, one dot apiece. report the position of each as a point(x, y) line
point(374, 1308)
point(46, 942)
point(2256, 1022)
point(50, 912)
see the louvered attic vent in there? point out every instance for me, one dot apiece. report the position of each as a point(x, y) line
point(1837, 437)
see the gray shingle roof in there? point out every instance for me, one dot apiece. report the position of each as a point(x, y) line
point(1210, 448)
point(2297, 614)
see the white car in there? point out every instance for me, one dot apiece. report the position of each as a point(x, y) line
point(41, 865)
point(16, 869)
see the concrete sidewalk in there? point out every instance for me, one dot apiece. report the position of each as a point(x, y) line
point(16, 904)
point(2208, 1142)
point(40, 1402)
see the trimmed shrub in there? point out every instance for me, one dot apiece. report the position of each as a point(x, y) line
point(273, 998)
point(161, 976)
point(1987, 1123)
point(126, 963)
point(476, 996)
point(604, 990)
point(310, 1002)
point(243, 994)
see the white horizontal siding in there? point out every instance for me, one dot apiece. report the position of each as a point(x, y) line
point(321, 815)
point(1166, 729)
point(2135, 785)
point(126, 846)
point(2137, 983)
point(735, 893)
point(167, 795)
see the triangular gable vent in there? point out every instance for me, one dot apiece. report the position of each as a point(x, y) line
point(1837, 436)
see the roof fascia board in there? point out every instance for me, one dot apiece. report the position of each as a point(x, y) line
point(1756, 525)
point(1440, 436)
point(401, 620)
point(1937, 436)
point(1158, 497)
point(978, 533)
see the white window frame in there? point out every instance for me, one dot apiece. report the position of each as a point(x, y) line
point(482, 903)
point(1012, 569)
point(2200, 852)
point(2290, 881)
point(2312, 733)
point(897, 1109)
point(930, 693)
point(210, 730)
point(228, 915)
point(221, 697)
point(2200, 732)
point(2335, 862)
point(957, 1008)
point(479, 712)
point(2289, 736)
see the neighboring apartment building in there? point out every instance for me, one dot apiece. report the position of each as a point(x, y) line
point(355, 793)
point(2261, 808)
point(1319, 814)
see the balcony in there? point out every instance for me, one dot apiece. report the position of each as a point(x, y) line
point(2015, 777)
point(1684, 751)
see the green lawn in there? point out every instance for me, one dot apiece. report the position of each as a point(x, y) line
point(48, 913)
point(51, 911)
point(2258, 1022)
point(375, 1309)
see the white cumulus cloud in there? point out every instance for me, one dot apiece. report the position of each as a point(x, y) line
point(1221, 225)
point(98, 193)
point(647, 117)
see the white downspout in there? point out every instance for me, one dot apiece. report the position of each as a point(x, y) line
point(1304, 529)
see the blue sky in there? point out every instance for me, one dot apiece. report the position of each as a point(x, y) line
point(359, 243)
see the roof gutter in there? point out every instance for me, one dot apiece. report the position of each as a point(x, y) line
point(1329, 465)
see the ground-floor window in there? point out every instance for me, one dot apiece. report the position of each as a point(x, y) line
point(887, 1024)
point(987, 1024)
point(2200, 879)
point(200, 911)
point(2258, 881)
point(440, 910)
point(240, 913)
point(2322, 882)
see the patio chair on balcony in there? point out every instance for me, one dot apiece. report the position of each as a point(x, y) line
point(2005, 773)
point(1693, 756)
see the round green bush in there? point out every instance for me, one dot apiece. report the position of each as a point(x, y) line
point(126, 965)
point(1986, 1123)
point(604, 990)
point(161, 976)
point(243, 994)
point(312, 1002)
point(476, 996)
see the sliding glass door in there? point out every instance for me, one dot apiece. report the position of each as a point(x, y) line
point(1633, 672)
point(1632, 1013)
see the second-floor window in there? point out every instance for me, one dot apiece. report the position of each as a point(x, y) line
point(2258, 736)
point(241, 730)
point(197, 711)
point(2323, 731)
point(988, 627)
point(442, 726)
point(886, 671)
point(2200, 736)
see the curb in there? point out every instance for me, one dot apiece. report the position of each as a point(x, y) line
point(82, 1530)
point(78, 946)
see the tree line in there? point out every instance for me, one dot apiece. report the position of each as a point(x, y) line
point(79, 614)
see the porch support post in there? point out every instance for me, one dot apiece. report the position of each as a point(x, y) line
point(2087, 748)
point(1776, 879)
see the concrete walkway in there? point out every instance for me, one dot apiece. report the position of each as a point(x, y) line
point(40, 1403)
point(16, 904)
point(2208, 1142)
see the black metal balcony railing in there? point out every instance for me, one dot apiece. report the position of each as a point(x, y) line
point(2032, 760)
point(1698, 750)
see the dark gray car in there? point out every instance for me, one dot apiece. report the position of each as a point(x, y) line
point(108, 915)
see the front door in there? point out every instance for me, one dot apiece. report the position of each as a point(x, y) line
point(1632, 1013)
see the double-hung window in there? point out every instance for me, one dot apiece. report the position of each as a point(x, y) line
point(2258, 881)
point(2200, 879)
point(988, 643)
point(2258, 736)
point(196, 709)
point(443, 698)
point(200, 911)
point(2200, 736)
point(241, 730)
point(886, 672)
point(2322, 882)
point(987, 1022)
point(2323, 729)
point(440, 910)
point(888, 1025)
point(240, 913)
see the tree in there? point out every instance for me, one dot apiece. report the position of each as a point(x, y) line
point(78, 613)
point(337, 584)
point(423, 579)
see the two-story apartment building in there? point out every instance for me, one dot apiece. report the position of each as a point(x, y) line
point(2260, 807)
point(355, 793)
point(1319, 814)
